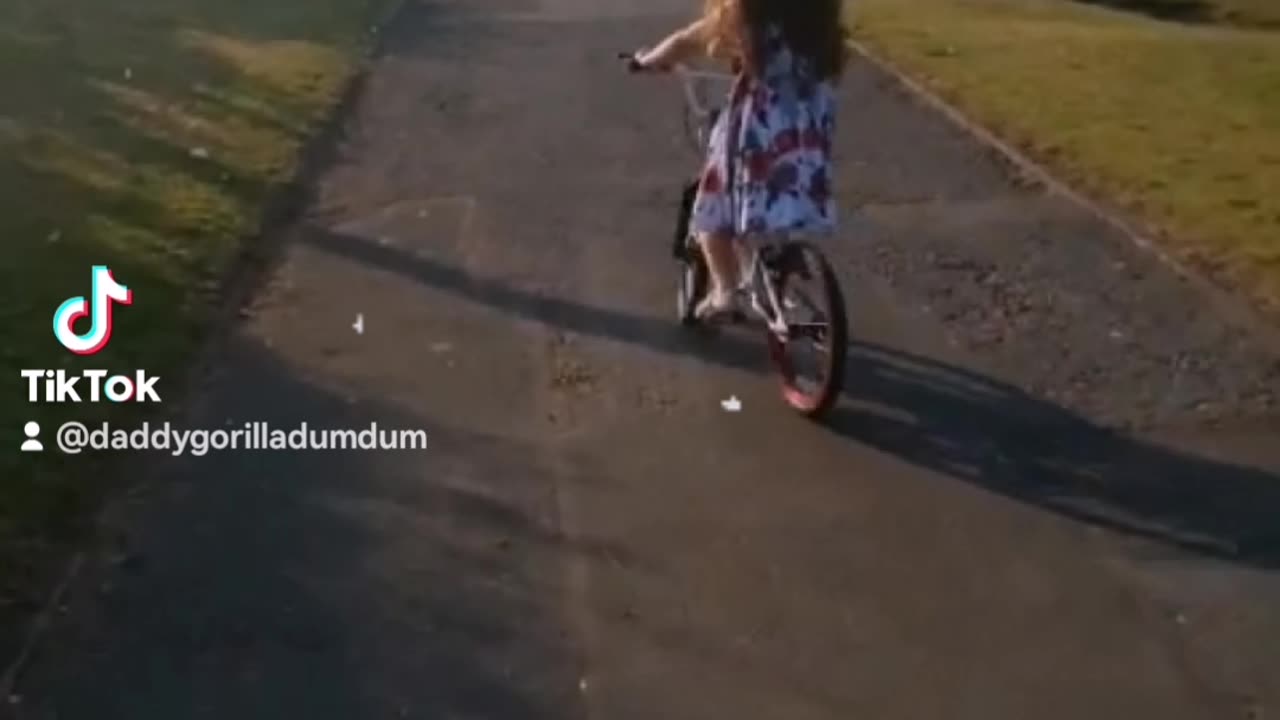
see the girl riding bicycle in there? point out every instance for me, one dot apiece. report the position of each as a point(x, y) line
point(768, 168)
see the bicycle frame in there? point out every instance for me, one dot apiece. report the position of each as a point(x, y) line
point(759, 272)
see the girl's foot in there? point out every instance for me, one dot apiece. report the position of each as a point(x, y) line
point(717, 305)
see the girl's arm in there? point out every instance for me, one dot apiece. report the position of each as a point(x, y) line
point(676, 48)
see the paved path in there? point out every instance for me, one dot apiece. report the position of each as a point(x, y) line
point(591, 536)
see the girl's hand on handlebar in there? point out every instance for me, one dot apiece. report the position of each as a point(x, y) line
point(639, 62)
point(633, 62)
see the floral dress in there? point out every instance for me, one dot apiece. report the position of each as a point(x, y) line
point(769, 162)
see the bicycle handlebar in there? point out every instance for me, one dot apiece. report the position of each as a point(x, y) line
point(633, 62)
point(687, 76)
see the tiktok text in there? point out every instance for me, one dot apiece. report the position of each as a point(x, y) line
point(59, 386)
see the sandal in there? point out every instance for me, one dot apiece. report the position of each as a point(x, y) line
point(717, 306)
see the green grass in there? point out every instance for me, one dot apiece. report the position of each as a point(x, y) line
point(145, 135)
point(1177, 122)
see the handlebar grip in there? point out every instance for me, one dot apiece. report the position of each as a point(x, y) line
point(633, 64)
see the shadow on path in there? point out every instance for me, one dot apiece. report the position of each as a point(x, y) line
point(998, 437)
point(650, 332)
point(970, 427)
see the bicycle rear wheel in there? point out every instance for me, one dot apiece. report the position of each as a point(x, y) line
point(693, 278)
point(810, 359)
point(692, 285)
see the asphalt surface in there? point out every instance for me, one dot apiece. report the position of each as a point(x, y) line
point(1050, 492)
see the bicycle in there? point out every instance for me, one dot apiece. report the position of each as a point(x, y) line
point(778, 267)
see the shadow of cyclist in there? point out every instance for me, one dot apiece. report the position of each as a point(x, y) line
point(985, 432)
point(967, 426)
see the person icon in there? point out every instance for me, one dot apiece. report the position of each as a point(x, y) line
point(32, 443)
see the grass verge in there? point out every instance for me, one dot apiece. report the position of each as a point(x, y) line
point(146, 135)
point(1177, 122)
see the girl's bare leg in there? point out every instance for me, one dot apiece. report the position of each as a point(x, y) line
point(722, 261)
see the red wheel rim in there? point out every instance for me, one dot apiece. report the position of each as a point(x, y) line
point(794, 396)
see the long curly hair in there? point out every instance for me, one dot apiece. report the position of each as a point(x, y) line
point(813, 29)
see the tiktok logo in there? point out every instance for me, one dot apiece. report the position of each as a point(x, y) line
point(105, 292)
point(60, 386)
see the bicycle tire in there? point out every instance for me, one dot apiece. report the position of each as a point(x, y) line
point(692, 286)
point(694, 276)
point(815, 404)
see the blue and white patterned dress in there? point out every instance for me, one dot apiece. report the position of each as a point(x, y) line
point(769, 163)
